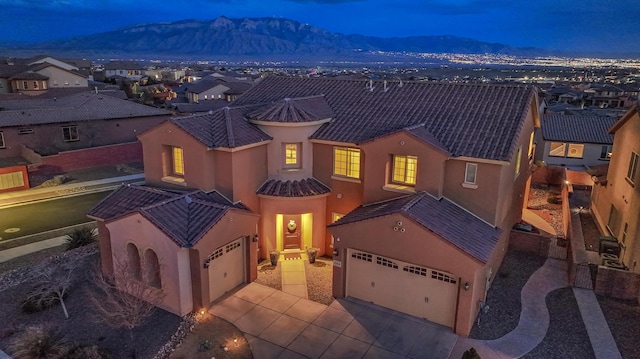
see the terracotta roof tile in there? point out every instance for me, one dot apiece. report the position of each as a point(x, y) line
point(298, 188)
point(443, 217)
point(185, 218)
point(226, 127)
point(292, 110)
point(475, 120)
point(577, 129)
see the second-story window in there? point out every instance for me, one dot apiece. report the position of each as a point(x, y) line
point(346, 162)
point(404, 169)
point(177, 161)
point(470, 172)
point(70, 133)
point(605, 152)
point(292, 154)
point(633, 168)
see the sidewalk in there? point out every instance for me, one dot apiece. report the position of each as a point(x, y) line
point(37, 194)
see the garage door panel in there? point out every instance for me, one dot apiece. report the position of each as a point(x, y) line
point(226, 268)
point(411, 289)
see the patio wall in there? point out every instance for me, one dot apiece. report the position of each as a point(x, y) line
point(534, 243)
point(617, 283)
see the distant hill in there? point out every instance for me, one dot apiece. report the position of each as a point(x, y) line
point(259, 37)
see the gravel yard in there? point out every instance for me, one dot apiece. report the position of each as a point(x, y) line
point(623, 318)
point(81, 327)
point(320, 279)
point(269, 275)
point(503, 298)
point(567, 336)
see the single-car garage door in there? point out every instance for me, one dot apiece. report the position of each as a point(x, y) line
point(405, 287)
point(226, 268)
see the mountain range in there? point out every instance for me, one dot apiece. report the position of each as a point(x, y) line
point(259, 38)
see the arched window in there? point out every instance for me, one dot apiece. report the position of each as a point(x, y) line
point(133, 261)
point(152, 269)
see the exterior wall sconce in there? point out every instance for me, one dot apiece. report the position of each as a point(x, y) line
point(466, 286)
point(336, 252)
point(206, 263)
point(255, 238)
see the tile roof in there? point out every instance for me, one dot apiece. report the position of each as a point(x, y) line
point(292, 110)
point(77, 107)
point(474, 120)
point(577, 129)
point(442, 217)
point(28, 75)
point(226, 127)
point(297, 188)
point(185, 218)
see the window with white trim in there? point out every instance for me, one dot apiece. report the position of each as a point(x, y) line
point(346, 162)
point(470, 171)
point(633, 168)
point(575, 150)
point(70, 133)
point(404, 170)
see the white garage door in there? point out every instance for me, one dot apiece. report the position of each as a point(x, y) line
point(405, 287)
point(226, 268)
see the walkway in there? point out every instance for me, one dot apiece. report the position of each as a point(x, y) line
point(294, 278)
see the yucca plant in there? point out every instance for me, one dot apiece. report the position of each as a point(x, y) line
point(80, 237)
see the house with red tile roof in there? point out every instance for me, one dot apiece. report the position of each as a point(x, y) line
point(411, 187)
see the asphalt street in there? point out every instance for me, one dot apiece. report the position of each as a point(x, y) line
point(43, 216)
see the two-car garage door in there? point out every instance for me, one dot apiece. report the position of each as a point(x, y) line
point(226, 268)
point(405, 287)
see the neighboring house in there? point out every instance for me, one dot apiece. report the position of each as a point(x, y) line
point(214, 89)
point(34, 76)
point(124, 69)
point(615, 201)
point(82, 130)
point(413, 187)
point(574, 141)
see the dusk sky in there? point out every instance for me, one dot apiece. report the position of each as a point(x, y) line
point(579, 25)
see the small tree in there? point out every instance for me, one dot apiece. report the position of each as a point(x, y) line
point(123, 301)
point(52, 286)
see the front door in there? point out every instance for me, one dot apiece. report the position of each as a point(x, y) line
point(291, 231)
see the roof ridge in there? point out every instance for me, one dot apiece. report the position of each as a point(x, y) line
point(413, 201)
point(230, 136)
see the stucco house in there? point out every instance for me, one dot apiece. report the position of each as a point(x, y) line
point(413, 188)
point(82, 130)
point(127, 69)
point(33, 76)
point(615, 200)
point(574, 141)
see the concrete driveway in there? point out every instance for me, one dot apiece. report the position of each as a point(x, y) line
point(281, 325)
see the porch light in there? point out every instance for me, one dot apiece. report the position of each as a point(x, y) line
point(335, 252)
point(255, 237)
point(466, 286)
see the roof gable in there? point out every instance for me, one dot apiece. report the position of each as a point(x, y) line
point(467, 232)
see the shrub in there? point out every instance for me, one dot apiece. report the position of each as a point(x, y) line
point(80, 237)
point(40, 298)
point(87, 352)
point(40, 342)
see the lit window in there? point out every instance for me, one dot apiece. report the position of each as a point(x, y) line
point(518, 160)
point(35, 84)
point(605, 152)
point(470, 173)
point(25, 85)
point(178, 161)
point(2, 145)
point(575, 150)
point(291, 153)
point(557, 149)
point(404, 169)
point(346, 162)
point(531, 145)
point(633, 167)
point(70, 133)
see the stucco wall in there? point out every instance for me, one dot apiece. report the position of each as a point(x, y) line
point(87, 158)
point(379, 166)
point(16, 171)
point(416, 245)
point(138, 230)
point(590, 156)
